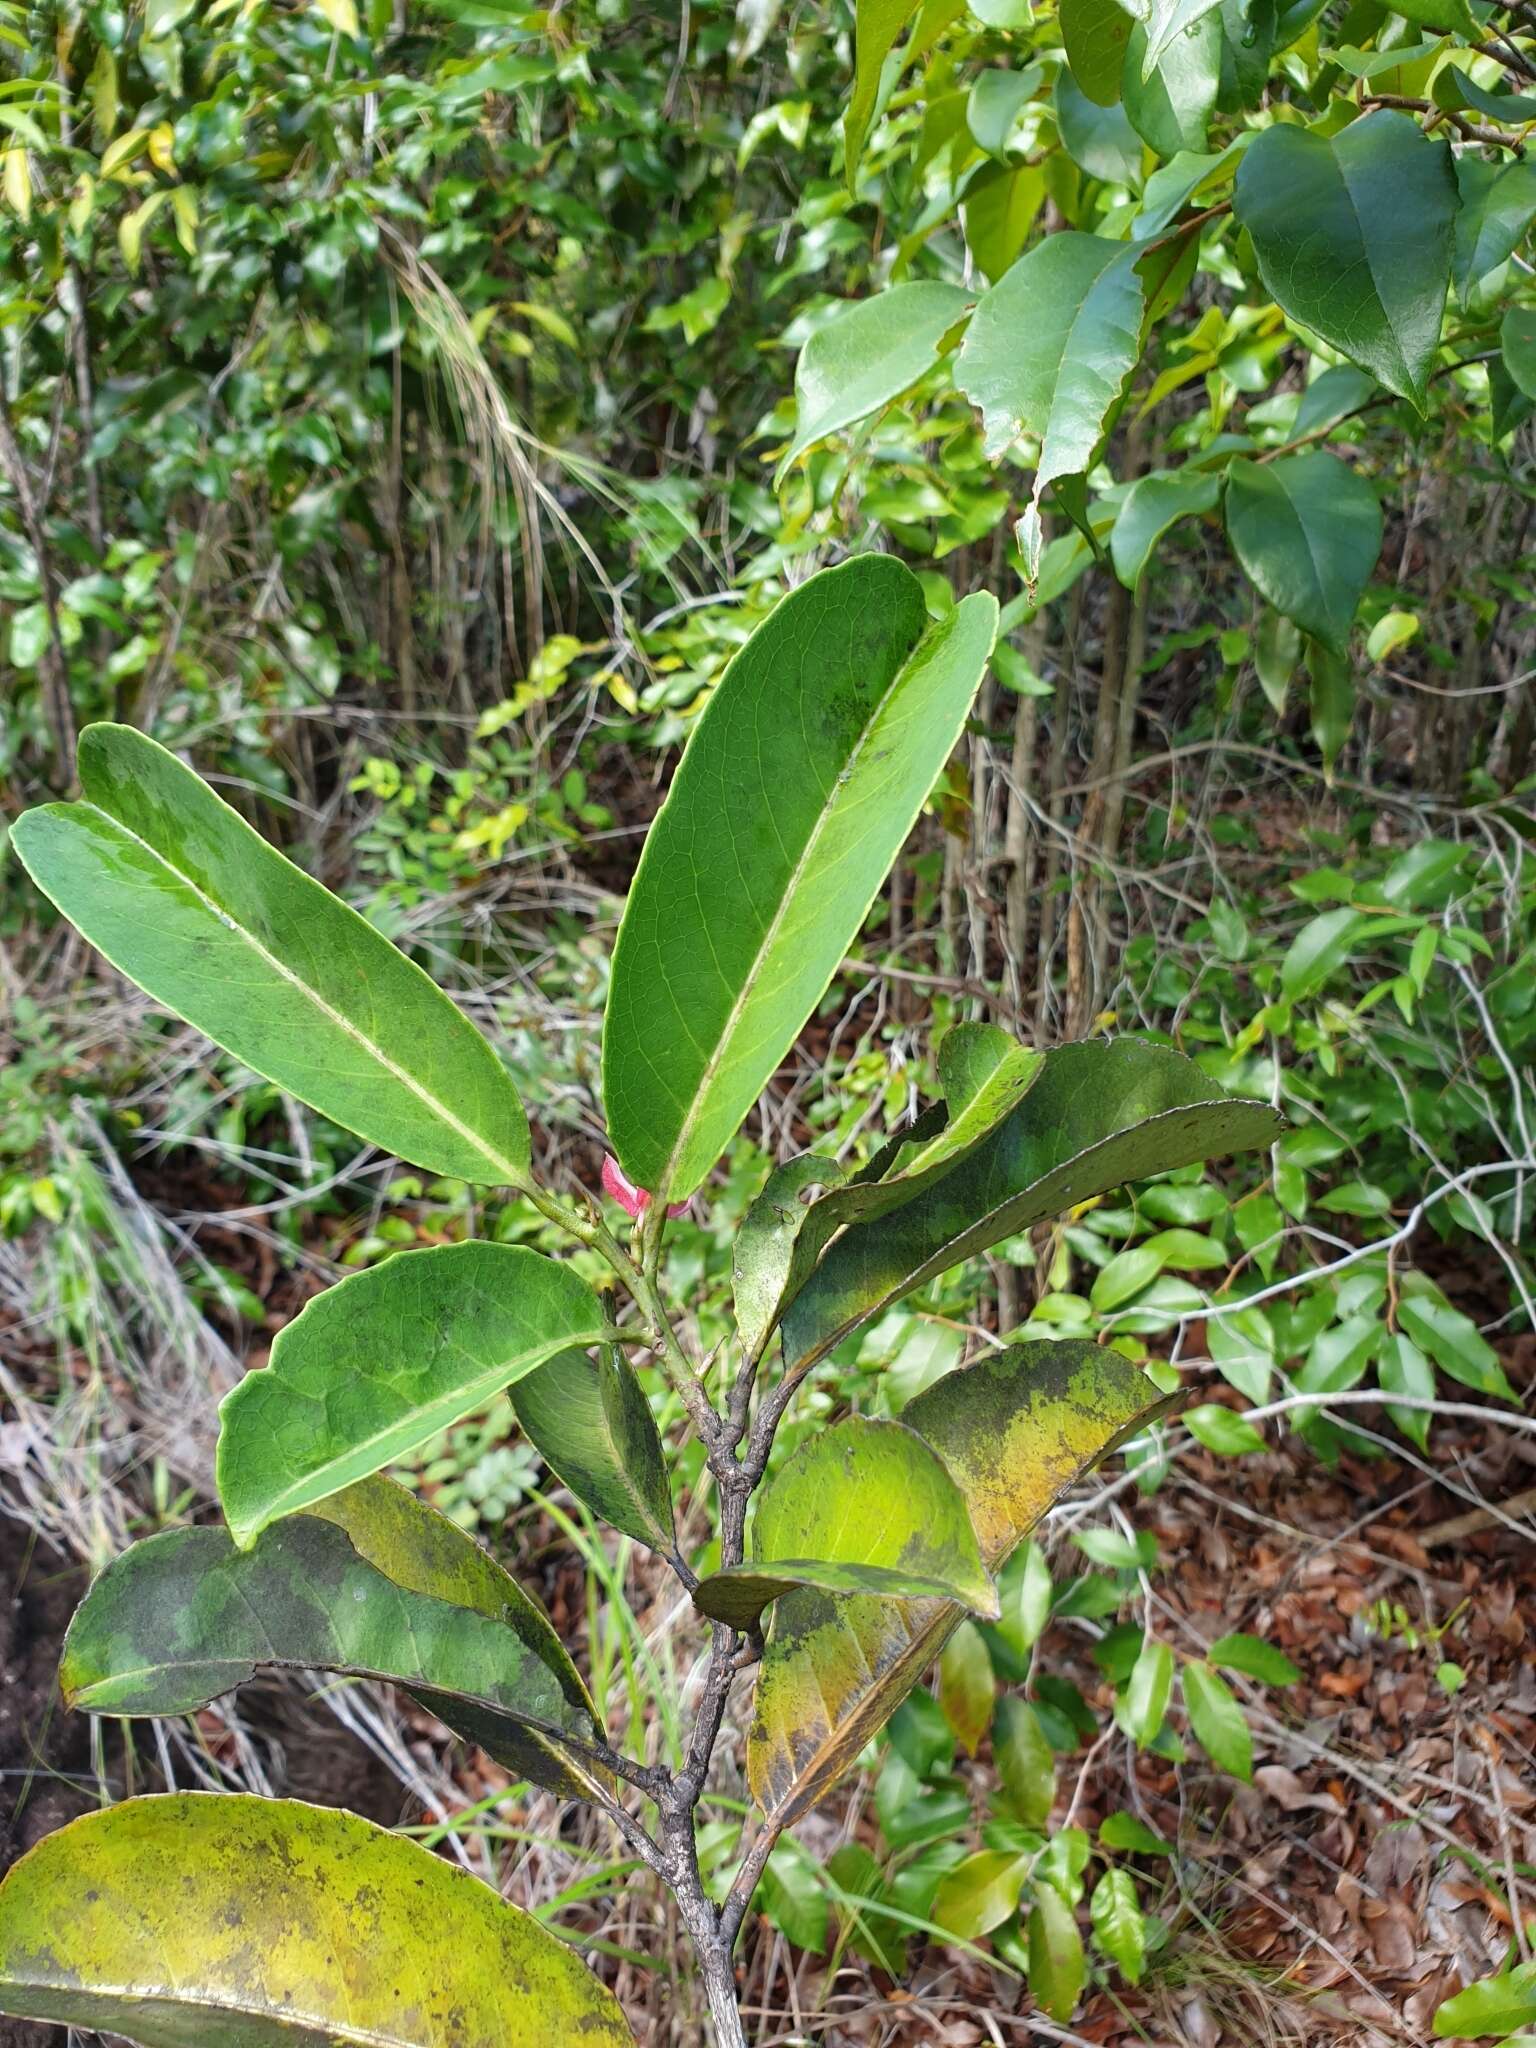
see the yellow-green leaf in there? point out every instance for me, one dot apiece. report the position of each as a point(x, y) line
point(214, 1920)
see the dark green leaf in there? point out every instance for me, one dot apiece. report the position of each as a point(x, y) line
point(1353, 237)
point(1169, 100)
point(1255, 1659)
point(1099, 140)
point(1498, 204)
point(1150, 507)
point(589, 1418)
point(1095, 34)
point(1026, 1763)
point(1217, 1720)
point(1099, 1114)
point(1056, 1965)
point(877, 24)
point(1307, 529)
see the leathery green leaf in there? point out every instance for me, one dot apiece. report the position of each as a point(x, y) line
point(876, 25)
point(373, 1584)
point(383, 1361)
point(1098, 1114)
point(1056, 1965)
point(197, 1919)
point(1353, 235)
point(983, 1076)
point(1013, 1432)
point(803, 777)
point(590, 1420)
point(863, 1507)
point(1095, 34)
point(185, 899)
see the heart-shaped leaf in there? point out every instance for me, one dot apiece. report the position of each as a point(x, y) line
point(863, 1507)
point(185, 899)
point(867, 355)
point(383, 1361)
point(591, 1421)
point(231, 1922)
point(1012, 1432)
point(1307, 530)
point(1353, 236)
point(373, 1584)
point(802, 778)
point(1099, 1114)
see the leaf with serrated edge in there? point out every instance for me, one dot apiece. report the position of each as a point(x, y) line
point(372, 1584)
point(862, 1507)
point(185, 899)
point(1012, 1431)
point(1099, 1114)
point(803, 777)
point(201, 1917)
point(383, 1361)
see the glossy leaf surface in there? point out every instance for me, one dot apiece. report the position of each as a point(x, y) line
point(214, 1920)
point(1012, 1432)
point(1353, 236)
point(1307, 530)
point(1095, 34)
point(1169, 99)
point(802, 779)
point(589, 1418)
point(877, 25)
point(867, 355)
point(1099, 1114)
point(185, 899)
point(383, 1361)
point(1150, 507)
point(862, 1507)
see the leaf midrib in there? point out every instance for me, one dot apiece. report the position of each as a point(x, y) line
point(511, 1175)
point(841, 781)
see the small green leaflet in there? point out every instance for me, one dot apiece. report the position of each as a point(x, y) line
point(1217, 1719)
point(1118, 1927)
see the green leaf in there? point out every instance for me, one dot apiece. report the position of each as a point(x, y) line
point(802, 778)
point(1049, 349)
point(1402, 1368)
point(210, 1917)
point(1353, 237)
point(1454, 1342)
point(863, 1507)
point(1169, 99)
point(1331, 702)
point(1026, 1763)
point(1255, 1659)
point(1127, 1273)
point(1167, 21)
point(1322, 946)
point(877, 24)
point(997, 99)
point(1307, 530)
point(1217, 1719)
point(1095, 34)
point(867, 355)
point(589, 1419)
point(1000, 207)
point(1056, 1964)
point(185, 899)
point(1145, 1701)
point(967, 1687)
point(383, 1361)
point(1517, 338)
point(1150, 507)
point(1118, 1927)
point(374, 1585)
point(767, 1256)
point(1012, 1431)
point(1336, 395)
point(980, 1893)
point(1276, 656)
point(1498, 204)
point(1508, 406)
point(1229, 1435)
point(1492, 2006)
point(1454, 89)
point(1099, 140)
point(1124, 1831)
point(1099, 1114)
